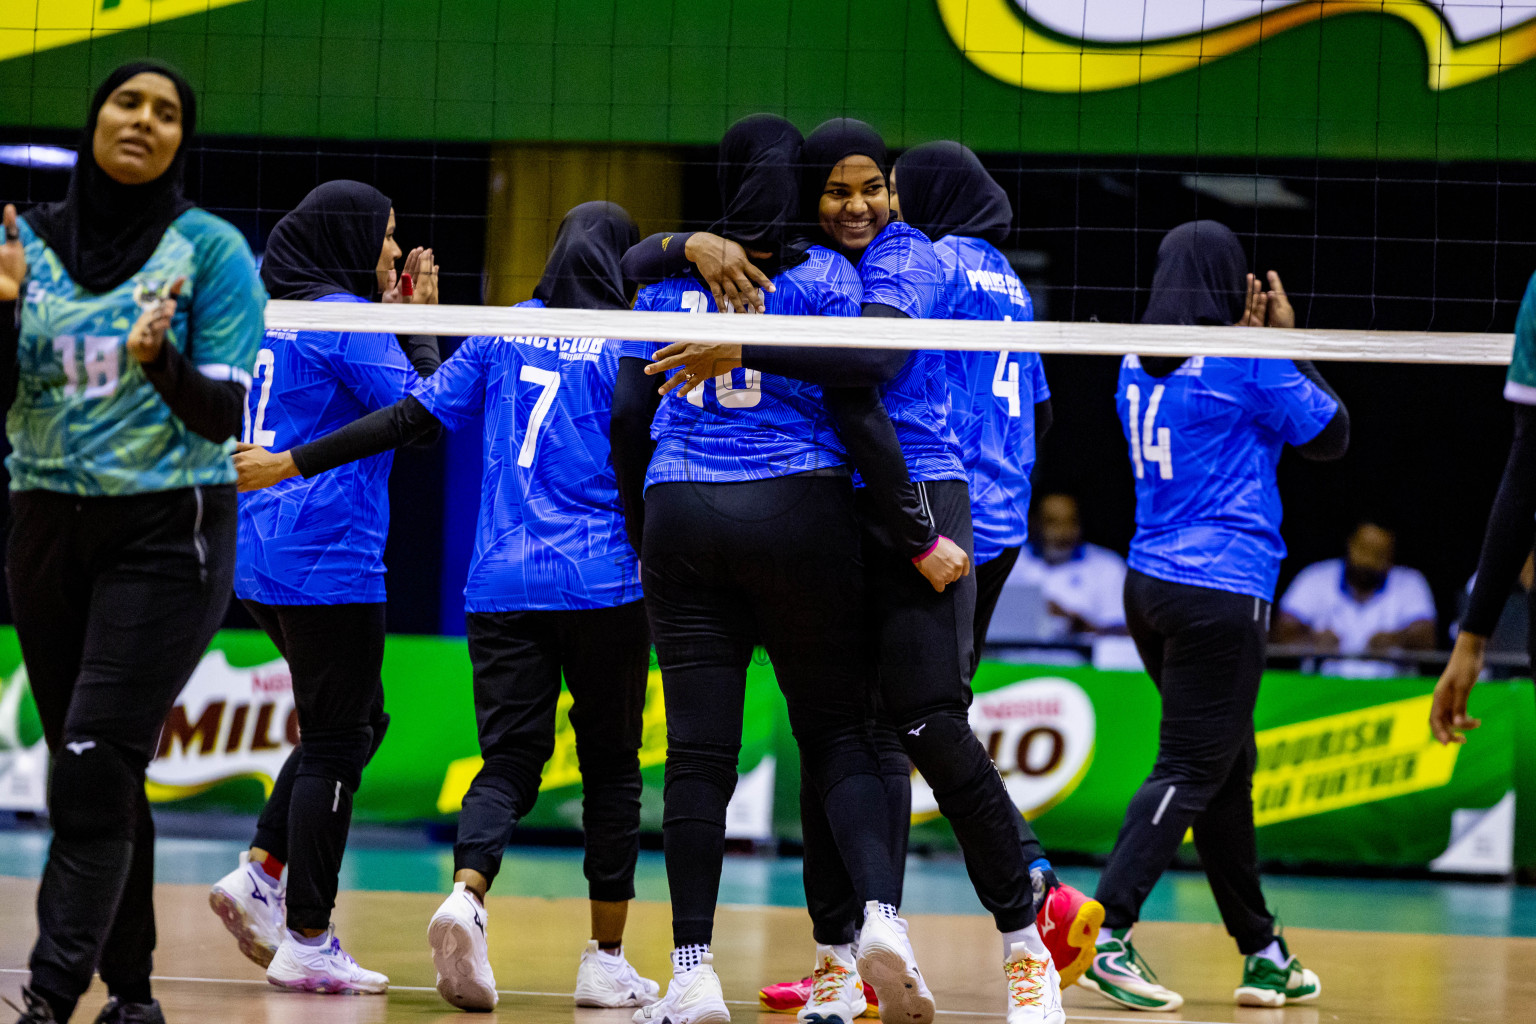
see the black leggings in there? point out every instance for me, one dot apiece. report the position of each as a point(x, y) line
point(335, 654)
point(115, 601)
point(990, 577)
point(724, 565)
point(519, 658)
point(923, 644)
point(1204, 650)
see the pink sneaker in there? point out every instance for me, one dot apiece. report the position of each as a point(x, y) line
point(1069, 923)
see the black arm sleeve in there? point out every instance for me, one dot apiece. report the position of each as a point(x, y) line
point(629, 436)
point(423, 352)
point(831, 367)
point(380, 431)
point(870, 438)
point(656, 257)
point(1511, 529)
point(214, 409)
point(10, 336)
point(1044, 417)
point(1333, 440)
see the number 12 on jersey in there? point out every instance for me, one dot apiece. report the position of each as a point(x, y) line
point(1149, 442)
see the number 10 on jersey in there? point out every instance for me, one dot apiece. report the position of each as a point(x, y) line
point(1149, 442)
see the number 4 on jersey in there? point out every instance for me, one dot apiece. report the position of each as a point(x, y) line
point(1144, 448)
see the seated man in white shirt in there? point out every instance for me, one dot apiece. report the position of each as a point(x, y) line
point(1077, 586)
point(1362, 603)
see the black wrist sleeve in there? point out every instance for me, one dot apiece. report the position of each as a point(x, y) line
point(629, 437)
point(828, 367)
point(1044, 417)
point(1511, 529)
point(213, 409)
point(1333, 440)
point(656, 257)
point(423, 352)
point(383, 430)
point(867, 433)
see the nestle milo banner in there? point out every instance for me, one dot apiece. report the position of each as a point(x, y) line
point(1347, 771)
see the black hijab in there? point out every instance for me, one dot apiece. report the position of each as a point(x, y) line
point(583, 269)
point(944, 190)
point(758, 184)
point(104, 231)
point(1201, 276)
point(832, 142)
point(330, 243)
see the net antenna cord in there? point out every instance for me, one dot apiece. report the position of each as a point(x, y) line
point(1046, 337)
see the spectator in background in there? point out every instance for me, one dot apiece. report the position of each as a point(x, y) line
point(1360, 604)
point(1078, 584)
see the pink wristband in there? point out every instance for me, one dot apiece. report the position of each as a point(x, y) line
point(928, 550)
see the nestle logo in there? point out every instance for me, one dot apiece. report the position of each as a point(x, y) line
point(277, 682)
point(1022, 709)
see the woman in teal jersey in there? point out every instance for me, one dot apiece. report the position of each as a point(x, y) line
point(139, 318)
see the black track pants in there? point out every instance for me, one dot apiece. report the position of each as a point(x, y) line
point(725, 565)
point(1205, 652)
point(519, 657)
point(335, 654)
point(990, 577)
point(115, 601)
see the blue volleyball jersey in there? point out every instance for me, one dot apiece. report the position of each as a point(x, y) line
point(749, 425)
point(550, 533)
point(901, 269)
point(86, 420)
point(1205, 441)
point(992, 395)
point(319, 540)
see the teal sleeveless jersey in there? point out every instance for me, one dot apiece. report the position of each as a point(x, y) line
point(86, 420)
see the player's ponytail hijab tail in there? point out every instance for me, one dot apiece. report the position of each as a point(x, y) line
point(103, 231)
point(1200, 278)
point(759, 190)
point(946, 191)
point(583, 269)
point(329, 244)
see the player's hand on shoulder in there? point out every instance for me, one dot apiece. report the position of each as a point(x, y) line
point(945, 564)
point(257, 468)
point(147, 336)
point(13, 258)
point(725, 266)
point(695, 362)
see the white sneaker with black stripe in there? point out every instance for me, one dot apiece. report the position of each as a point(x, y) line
point(459, 952)
point(251, 905)
point(608, 981)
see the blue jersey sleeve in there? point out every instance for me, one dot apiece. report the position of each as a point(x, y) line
point(373, 367)
point(900, 269)
point(1285, 401)
point(846, 291)
point(1034, 369)
point(455, 394)
point(228, 307)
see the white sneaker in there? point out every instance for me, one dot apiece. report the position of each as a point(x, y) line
point(1034, 988)
point(887, 963)
point(608, 981)
point(692, 998)
point(837, 991)
point(325, 968)
point(457, 937)
point(251, 905)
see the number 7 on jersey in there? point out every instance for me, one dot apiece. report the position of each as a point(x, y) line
point(549, 380)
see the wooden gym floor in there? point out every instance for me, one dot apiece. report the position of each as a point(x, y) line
point(1368, 978)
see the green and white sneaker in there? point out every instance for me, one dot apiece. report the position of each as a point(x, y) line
point(1265, 984)
point(1119, 974)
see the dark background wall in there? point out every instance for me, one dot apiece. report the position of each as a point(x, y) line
point(1367, 244)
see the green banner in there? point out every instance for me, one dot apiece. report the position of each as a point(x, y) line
point(1347, 772)
point(1411, 79)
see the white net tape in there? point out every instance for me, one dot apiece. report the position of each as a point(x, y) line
point(883, 332)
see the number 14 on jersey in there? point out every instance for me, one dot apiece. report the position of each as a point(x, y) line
point(1149, 442)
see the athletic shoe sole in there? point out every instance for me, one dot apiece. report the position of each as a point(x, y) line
point(901, 1000)
point(1172, 1004)
point(1084, 934)
point(1268, 997)
point(452, 955)
point(238, 924)
point(327, 987)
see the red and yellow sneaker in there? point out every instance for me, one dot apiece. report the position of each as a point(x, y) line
point(1069, 923)
point(791, 997)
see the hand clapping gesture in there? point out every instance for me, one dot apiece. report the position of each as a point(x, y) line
point(1267, 308)
point(422, 270)
point(148, 334)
